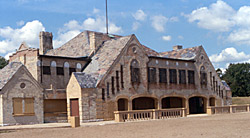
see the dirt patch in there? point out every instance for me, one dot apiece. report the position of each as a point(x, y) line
point(226, 125)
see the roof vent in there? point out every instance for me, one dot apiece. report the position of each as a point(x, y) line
point(177, 47)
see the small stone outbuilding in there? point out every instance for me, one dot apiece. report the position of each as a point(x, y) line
point(21, 96)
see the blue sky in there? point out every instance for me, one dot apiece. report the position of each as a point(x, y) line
point(222, 27)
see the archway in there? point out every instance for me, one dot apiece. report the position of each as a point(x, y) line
point(142, 103)
point(173, 102)
point(122, 104)
point(212, 101)
point(196, 105)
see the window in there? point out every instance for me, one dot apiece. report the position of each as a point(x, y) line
point(135, 71)
point(71, 70)
point(203, 76)
point(103, 94)
point(23, 106)
point(190, 77)
point(151, 75)
point(172, 76)
point(59, 71)
point(162, 75)
point(46, 70)
point(122, 82)
point(24, 59)
point(107, 89)
point(113, 85)
point(182, 76)
point(117, 81)
point(211, 81)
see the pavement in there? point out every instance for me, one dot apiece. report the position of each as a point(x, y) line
point(54, 125)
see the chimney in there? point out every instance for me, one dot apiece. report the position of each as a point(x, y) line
point(95, 40)
point(177, 47)
point(45, 42)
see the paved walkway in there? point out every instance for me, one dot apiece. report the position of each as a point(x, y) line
point(54, 125)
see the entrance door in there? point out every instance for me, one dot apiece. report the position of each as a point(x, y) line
point(196, 105)
point(74, 107)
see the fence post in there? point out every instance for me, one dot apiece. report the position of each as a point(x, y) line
point(155, 114)
point(247, 107)
point(209, 110)
point(118, 117)
point(184, 112)
point(231, 108)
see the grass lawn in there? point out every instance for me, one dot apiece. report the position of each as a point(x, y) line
point(241, 100)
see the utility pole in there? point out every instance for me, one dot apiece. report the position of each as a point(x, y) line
point(107, 17)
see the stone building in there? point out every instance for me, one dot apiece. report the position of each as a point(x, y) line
point(95, 74)
point(21, 96)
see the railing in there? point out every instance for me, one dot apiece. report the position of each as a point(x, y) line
point(227, 109)
point(136, 115)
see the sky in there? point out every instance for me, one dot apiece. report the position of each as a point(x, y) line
point(222, 27)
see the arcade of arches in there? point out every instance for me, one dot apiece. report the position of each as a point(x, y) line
point(195, 104)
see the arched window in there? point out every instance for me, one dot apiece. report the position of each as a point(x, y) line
point(79, 66)
point(203, 76)
point(135, 71)
point(53, 64)
point(66, 65)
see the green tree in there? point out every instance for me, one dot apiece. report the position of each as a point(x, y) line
point(3, 62)
point(237, 77)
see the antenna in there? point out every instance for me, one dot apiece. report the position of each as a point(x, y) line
point(107, 17)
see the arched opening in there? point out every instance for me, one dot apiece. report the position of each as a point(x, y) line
point(173, 102)
point(212, 101)
point(143, 103)
point(122, 104)
point(196, 105)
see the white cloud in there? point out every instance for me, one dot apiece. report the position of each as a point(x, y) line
point(221, 17)
point(7, 56)
point(20, 23)
point(229, 55)
point(95, 11)
point(140, 15)
point(135, 26)
point(73, 28)
point(159, 22)
point(180, 37)
point(217, 17)
point(98, 24)
point(166, 38)
point(12, 38)
point(174, 19)
point(241, 36)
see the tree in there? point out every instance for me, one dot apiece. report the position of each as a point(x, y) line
point(237, 77)
point(3, 62)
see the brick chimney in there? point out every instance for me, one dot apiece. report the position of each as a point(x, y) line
point(46, 43)
point(95, 40)
point(177, 47)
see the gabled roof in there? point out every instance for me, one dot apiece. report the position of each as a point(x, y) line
point(149, 51)
point(78, 46)
point(186, 54)
point(226, 85)
point(23, 46)
point(8, 71)
point(85, 80)
point(105, 57)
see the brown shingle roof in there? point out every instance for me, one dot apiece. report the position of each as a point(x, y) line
point(105, 57)
point(149, 51)
point(78, 46)
point(187, 53)
point(7, 72)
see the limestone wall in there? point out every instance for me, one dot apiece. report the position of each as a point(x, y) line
point(13, 90)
